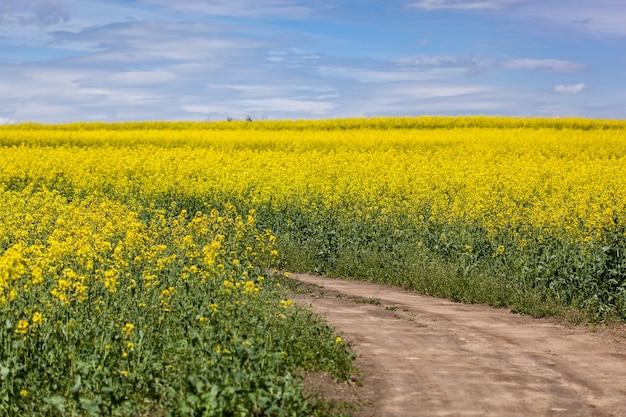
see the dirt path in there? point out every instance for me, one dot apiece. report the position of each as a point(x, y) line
point(423, 356)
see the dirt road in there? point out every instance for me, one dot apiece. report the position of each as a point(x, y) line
point(423, 356)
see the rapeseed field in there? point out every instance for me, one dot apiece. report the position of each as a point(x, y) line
point(133, 256)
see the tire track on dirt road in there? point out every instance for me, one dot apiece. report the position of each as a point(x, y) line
point(423, 356)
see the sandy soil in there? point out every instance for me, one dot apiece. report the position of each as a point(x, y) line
point(422, 356)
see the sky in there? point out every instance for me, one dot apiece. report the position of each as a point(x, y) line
point(78, 60)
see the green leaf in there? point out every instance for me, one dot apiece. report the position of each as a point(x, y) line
point(4, 372)
point(77, 385)
point(92, 406)
point(57, 402)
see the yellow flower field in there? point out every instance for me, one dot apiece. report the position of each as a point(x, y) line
point(529, 213)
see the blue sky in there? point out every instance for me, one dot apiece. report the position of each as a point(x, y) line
point(78, 60)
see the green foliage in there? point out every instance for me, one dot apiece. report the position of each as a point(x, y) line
point(543, 277)
point(106, 314)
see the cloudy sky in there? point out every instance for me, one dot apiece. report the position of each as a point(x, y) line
point(82, 60)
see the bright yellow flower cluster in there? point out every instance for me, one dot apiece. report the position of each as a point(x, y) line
point(566, 180)
point(57, 254)
point(500, 186)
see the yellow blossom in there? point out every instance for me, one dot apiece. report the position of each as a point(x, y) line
point(22, 327)
point(128, 328)
point(250, 288)
point(111, 280)
point(37, 319)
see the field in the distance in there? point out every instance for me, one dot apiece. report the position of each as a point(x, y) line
point(114, 235)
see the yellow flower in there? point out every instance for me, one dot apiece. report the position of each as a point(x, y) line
point(63, 284)
point(213, 307)
point(22, 327)
point(23, 392)
point(37, 276)
point(110, 280)
point(498, 252)
point(167, 292)
point(128, 329)
point(338, 339)
point(250, 288)
point(37, 319)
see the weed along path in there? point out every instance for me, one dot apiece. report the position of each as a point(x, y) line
point(423, 356)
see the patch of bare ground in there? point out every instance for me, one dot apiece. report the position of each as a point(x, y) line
point(423, 356)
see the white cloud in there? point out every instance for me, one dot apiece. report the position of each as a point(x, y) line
point(142, 41)
point(598, 18)
point(42, 112)
point(544, 65)
point(6, 121)
point(413, 69)
point(292, 57)
point(32, 83)
point(389, 75)
point(203, 109)
point(253, 91)
point(284, 107)
point(162, 70)
point(121, 96)
point(570, 89)
point(410, 99)
point(33, 12)
point(431, 91)
point(469, 65)
point(428, 91)
point(290, 105)
point(273, 9)
point(140, 78)
point(438, 60)
point(464, 4)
